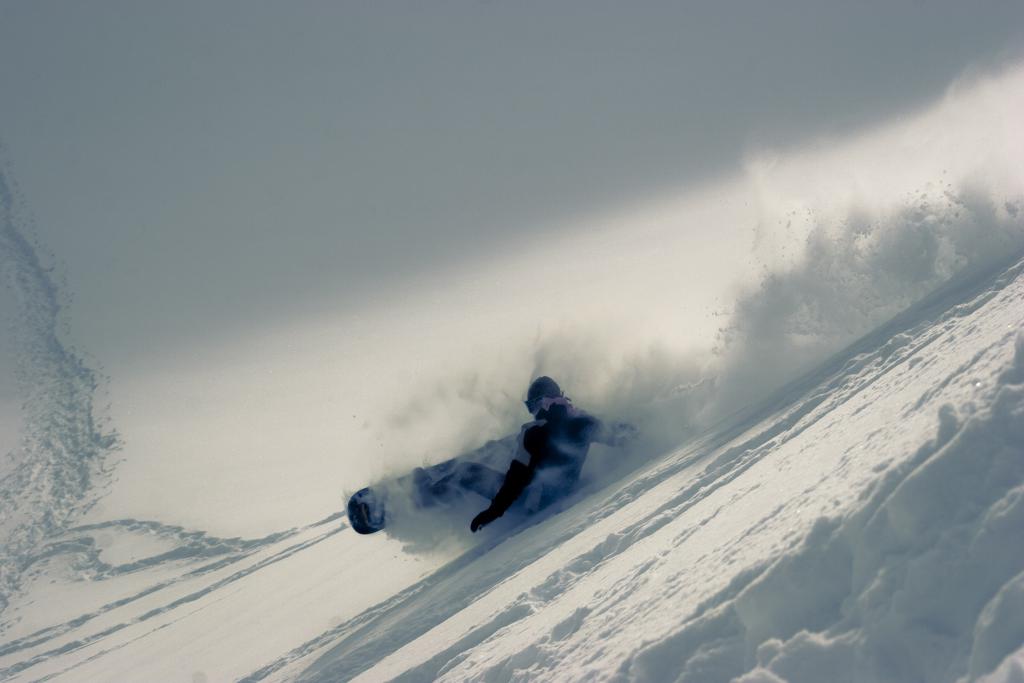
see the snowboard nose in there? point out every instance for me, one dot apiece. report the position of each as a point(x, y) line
point(361, 516)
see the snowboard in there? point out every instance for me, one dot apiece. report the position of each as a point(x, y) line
point(479, 472)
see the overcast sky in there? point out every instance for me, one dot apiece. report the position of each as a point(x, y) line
point(199, 166)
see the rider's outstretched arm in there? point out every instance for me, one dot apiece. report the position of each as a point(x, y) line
point(517, 479)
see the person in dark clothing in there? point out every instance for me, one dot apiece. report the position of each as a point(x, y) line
point(556, 442)
point(550, 452)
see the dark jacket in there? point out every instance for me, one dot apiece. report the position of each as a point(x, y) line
point(557, 443)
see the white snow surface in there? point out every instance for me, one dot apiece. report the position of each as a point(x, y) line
point(862, 524)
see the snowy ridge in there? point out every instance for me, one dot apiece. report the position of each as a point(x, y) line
point(55, 472)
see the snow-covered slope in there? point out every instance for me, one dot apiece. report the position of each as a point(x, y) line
point(863, 525)
point(868, 531)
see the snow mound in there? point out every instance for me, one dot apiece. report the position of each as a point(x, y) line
point(921, 582)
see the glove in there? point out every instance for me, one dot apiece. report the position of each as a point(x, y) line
point(483, 519)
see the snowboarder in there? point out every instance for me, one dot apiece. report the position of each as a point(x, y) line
point(554, 446)
point(556, 442)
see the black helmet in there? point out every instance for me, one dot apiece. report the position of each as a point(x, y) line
point(541, 388)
